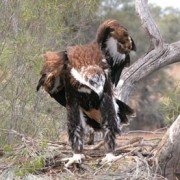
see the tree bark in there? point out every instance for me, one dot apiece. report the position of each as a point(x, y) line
point(167, 154)
point(160, 55)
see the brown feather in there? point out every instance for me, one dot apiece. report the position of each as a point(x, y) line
point(94, 114)
point(54, 63)
point(53, 67)
point(86, 55)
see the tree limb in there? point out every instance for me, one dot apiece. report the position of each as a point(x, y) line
point(148, 23)
point(167, 154)
point(161, 55)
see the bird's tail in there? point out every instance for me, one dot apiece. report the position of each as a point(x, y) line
point(124, 110)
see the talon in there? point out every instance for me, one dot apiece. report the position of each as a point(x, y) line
point(77, 158)
point(109, 158)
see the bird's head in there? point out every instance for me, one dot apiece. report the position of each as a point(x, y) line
point(114, 37)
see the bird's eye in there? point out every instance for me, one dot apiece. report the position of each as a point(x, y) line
point(91, 82)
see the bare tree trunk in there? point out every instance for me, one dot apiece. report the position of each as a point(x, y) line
point(160, 55)
point(167, 154)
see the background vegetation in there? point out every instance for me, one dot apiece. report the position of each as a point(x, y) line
point(30, 27)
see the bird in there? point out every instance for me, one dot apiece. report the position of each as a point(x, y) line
point(81, 79)
point(116, 44)
point(88, 94)
point(112, 40)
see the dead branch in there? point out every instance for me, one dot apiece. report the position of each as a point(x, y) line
point(167, 154)
point(120, 149)
point(94, 147)
point(148, 23)
point(161, 55)
point(144, 132)
point(134, 140)
point(134, 143)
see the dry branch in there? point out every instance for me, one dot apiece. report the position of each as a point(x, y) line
point(148, 23)
point(167, 153)
point(94, 147)
point(161, 55)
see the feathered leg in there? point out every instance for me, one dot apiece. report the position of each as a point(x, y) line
point(110, 123)
point(75, 128)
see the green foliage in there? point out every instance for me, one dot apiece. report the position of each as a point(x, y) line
point(27, 29)
point(30, 166)
point(169, 24)
point(28, 157)
point(170, 104)
point(8, 149)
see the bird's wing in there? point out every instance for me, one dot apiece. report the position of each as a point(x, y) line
point(52, 75)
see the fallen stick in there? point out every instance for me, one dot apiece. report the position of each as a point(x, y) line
point(136, 142)
point(117, 150)
point(94, 147)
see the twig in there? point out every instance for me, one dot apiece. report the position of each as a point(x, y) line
point(141, 131)
point(127, 146)
point(94, 147)
point(69, 171)
point(100, 168)
point(161, 129)
point(24, 138)
point(130, 143)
